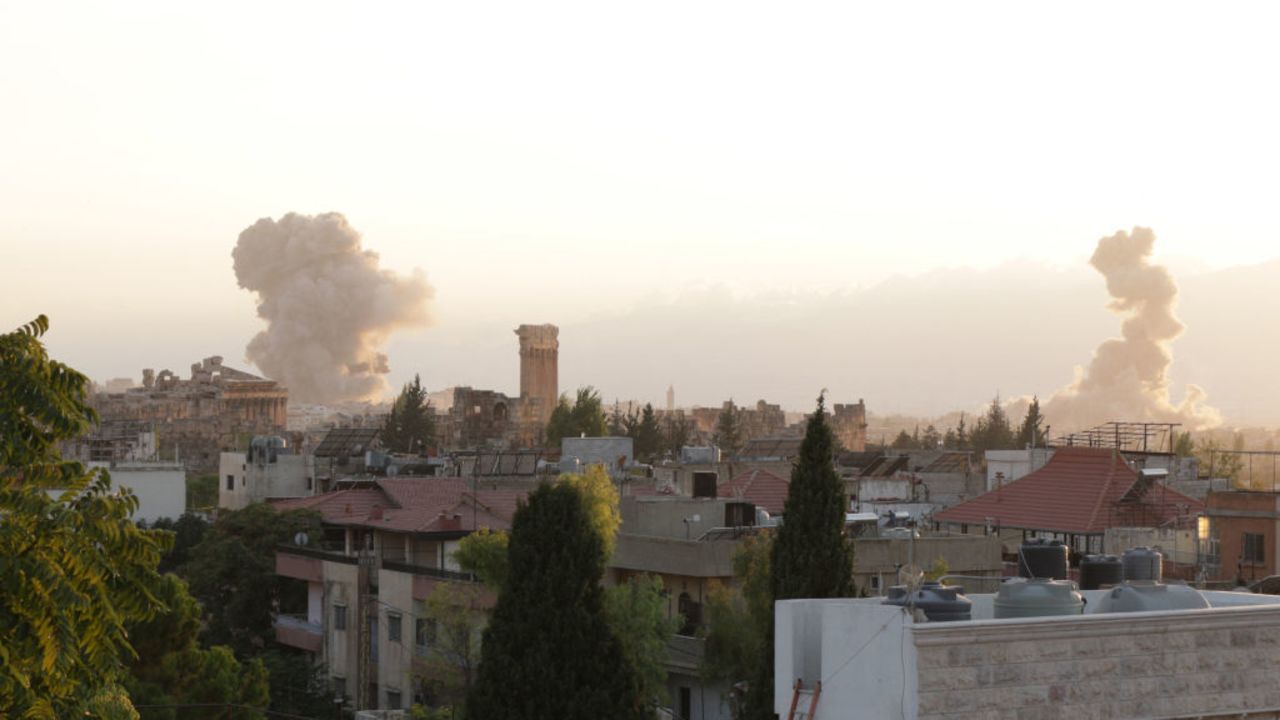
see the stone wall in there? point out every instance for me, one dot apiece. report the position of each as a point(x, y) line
point(1219, 663)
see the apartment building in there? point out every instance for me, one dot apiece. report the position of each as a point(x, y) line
point(387, 546)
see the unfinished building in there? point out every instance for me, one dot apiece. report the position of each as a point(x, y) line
point(192, 419)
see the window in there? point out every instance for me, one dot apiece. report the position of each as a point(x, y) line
point(424, 632)
point(393, 700)
point(308, 483)
point(231, 482)
point(339, 686)
point(339, 617)
point(1251, 549)
point(393, 630)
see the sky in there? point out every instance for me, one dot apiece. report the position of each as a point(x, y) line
point(585, 163)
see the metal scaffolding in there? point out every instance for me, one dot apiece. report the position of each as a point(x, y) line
point(1150, 438)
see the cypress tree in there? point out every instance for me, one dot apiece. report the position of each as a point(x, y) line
point(548, 651)
point(811, 556)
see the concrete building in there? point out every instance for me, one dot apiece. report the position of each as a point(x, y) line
point(387, 546)
point(689, 544)
point(878, 560)
point(1075, 497)
point(880, 663)
point(614, 453)
point(1242, 540)
point(161, 488)
point(269, 470)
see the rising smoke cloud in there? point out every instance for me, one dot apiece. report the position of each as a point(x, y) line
point(329, 307)
point(1128, 379)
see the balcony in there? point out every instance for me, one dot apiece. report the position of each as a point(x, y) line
point(296, 631)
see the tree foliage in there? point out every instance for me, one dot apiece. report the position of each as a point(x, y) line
point(548, 651)
point(739, 618)
point(74, 569)
point(636, 611)
point(647, 435)
point(811, 556)
point(411, 424)
point(188, 531)
point(483, 553)
point(456, 618)
point(584, 417)
point(232, 574)
point(677, 431)
point(992, 431)
point(729, 433)
point(1032, 431)
point(172, 669)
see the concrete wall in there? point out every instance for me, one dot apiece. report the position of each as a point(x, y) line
point(395, 658)
point(1178, 546)
point(671, 516)
point(341, 647)
point(880, 558)
point(596, 450)
point(161, 488)
point(289, 476)
point(1014, 463)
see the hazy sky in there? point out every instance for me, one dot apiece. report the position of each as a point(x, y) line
point(549, 162)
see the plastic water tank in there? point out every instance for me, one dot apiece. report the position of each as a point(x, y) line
point(1037, 597)
point(1143, 595)
point(1041, 558)
point(940, 603)
point(1099, 570)
point(1143, 563)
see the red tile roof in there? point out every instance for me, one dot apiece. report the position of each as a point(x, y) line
point(414, 505)
point(1080, 490)
point(760, 487)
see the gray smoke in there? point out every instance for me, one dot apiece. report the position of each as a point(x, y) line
point(329, 307)
point(1127, 380)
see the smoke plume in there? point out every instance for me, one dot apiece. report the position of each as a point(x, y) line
point(1127, 380)
point(329, 307)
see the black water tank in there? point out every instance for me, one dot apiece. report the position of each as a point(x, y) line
point(1099, 570)
point(940, 603)
point(1041, 558)
point(704, 484)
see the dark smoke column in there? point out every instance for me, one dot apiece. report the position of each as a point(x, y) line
point(539, 376)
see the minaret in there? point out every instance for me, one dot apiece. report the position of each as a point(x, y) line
point(671, 398)
point(539, 376)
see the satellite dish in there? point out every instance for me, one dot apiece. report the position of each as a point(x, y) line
point(301, 539)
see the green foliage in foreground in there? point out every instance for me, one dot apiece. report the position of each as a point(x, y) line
point(548, 651)
point(74, 569)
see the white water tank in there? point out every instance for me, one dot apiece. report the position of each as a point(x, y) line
point(1144, 596)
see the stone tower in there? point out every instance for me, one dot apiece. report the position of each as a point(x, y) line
point(539, 376)
point(671, 398)
point(849, 422)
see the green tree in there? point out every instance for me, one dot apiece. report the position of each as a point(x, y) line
point(677, 430)
point(188, 531)
point(584, 417)
point(411, 424)
point(548, 651)
point(171, 669)
point(647, 435)
point(962, 436)
point(992, 431)
point(233, 574)
point(1031, 433)
point(75, 569)
point(931, 439)
point(729, 434)
point(456, 617)
point(812, 558)
point(903, 442)
point(483, 553)
point(636, 611)
point(738, 619)
point(202, 492)
point(1184, 446)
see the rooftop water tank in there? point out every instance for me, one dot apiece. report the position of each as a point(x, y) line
point(1143, 595)
point(940, 603)
point(1037, 597)
point(899, 533)
point(1143, 563)
point(1041, 558)
point(1099, 570)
